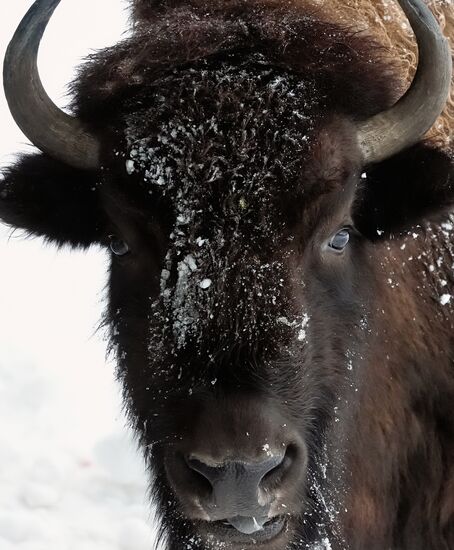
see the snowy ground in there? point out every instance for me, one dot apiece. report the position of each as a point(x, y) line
point(70, 478)
point(69, 474)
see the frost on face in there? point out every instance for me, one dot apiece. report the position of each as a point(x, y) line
point(222, 144)
point(303, 328)
point(324, 544)
point(437, 257)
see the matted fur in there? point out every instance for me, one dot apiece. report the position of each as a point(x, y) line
point(385, 21)
point(381, 19)
point(286, 35)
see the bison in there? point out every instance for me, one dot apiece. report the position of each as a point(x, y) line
point(281, 279)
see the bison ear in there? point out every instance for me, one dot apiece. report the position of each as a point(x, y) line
point(414, 186)
point(48, 198)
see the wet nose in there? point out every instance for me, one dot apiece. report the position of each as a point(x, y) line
point(235, 485)
point(236, 474)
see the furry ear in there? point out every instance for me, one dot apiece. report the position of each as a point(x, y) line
point(48, 198)
point(414, 186)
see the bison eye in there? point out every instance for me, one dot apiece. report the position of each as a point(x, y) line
point(340, 240)
point(118, 247)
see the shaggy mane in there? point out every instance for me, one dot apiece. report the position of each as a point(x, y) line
point(383, 21)
point(350, 72)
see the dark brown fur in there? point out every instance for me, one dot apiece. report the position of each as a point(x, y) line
point(366, 391)
point(286, 36)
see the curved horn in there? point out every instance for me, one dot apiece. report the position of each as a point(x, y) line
point(46, 126)
point(414, 114)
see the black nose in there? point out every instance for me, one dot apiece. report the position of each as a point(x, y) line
point(236, 473)
point(236, 484)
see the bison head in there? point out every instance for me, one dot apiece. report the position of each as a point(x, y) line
point(244, 199)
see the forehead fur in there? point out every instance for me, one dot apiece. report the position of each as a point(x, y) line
point(237, 132)
point(213, 106)
point(236, 128)
point(223, 149)
point(346, 67)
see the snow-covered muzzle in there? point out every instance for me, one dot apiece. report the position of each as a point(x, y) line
point(229, 326)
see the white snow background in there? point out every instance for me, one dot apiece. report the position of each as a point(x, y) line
point(70, 476)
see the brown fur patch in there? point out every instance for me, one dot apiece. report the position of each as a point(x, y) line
point(384, 21)
point(285, 35)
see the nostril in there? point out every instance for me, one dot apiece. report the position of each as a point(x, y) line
point(210, 473)
point(198, 474)
point(279, 470)
point(274, 467)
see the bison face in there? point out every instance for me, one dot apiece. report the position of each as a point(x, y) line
point(233, 354)
point(245, 264)
point(242, 238)
point(238, 297)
